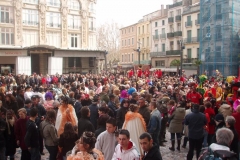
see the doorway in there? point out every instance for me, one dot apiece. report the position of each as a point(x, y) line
point(35, 63)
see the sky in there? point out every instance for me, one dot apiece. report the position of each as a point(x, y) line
point(126, 12)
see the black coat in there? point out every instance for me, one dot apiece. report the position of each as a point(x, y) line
point(145, 112)
point(84, 125)
point(94, 114)
point(3, 133)
point(121, 116)
point(13, 106)
point(11, 142)
point(153, 154)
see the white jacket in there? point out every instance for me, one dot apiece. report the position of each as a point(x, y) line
point(130, 154)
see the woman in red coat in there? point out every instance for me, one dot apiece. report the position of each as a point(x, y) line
point(20, 131)
point(211, 126)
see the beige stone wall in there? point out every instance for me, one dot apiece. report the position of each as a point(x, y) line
point(167, 60)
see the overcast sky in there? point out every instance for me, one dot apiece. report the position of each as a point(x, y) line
point(126, 12)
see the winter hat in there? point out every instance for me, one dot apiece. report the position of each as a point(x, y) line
point(219, 118)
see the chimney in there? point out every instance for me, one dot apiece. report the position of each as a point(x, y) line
point(162, 10)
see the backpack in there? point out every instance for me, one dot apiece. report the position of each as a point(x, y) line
point(208, 154)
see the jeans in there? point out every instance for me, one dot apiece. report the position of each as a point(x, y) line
point(53, 151)
point(205, 134)
point(194, 144)
point(173, 136)
point(25, 155)
point(35, 154)
point(2, 153)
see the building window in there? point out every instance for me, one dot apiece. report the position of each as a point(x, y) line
point(74, 4)
point(74, 40)
point(125, 42)
point(147, 41)
point(91, 61)
point(55, 3)
point(30, 17)
point(139, 30)
point(54, 39)
point(129, 30)
point(122, 31)
point(128, 57)
point(163, 47)
point(163, 22)
point(6, 36)
point(160, 63)
point(6, 15)
point(143, 42)
point(142, 29)
point(132, 29)
point(198, 56)
point(129, 42)
point(156, 47)
point(122, 58)
point(91, 7)
point(143, 56)
point(74, 62)
point(156, 24)
point(171, 14)
point(30, 38)
point(179, 27)
point(171, 45)
point(74, 22)
point(31, 1)
point(132, 41)
point(189, 53)
point(178, 12)
point(92, 26)
point(53, 19)
point(132, 57)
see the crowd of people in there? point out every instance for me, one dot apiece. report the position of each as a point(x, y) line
point(118, 117)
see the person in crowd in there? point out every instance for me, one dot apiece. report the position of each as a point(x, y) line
point(66, 113)
point(3, 110)
point(225, 109)
point(104, 95)
point(28, 92)
point(126, 148)
point(31, 138)
point(237, 126)
point(20, 132)
point(202, 110)
point(92, 86)
point(230, 122)
point(193, 96)
point(20, 97)
point(67, 140)
point(106, 140)
point(11, 144)
point(94, 111)
point(101, 124)
point(11, 103)
point(28, 105)
point(135, 124)
point(85, 148)
point(154, 125)
point(144, 110)
point(195, 122)
point(185, 130)
point(49, 134)
point(134, 98)
point(78, 106)
point(84, 124)
point(48, 103)
point(124, 107)
point(3, 137)
point(220, 123)
point(221, 148)
point(151, 150)
point(176, 125)
point(112, 105)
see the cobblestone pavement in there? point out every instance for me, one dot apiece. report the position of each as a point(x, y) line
point(166, 153)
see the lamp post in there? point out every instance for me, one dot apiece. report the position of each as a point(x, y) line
point(105, 56)
point(139, 51)
point(181, 62)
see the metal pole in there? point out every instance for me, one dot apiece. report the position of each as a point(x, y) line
point(181, 58)
point(138, 55)
point(105, 61)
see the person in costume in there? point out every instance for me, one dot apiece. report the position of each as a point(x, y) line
point(130, 73)
point(85, 149)
point(147, 73)
point(135, 124)
point(139, 71)
point(66, 113)
point(219, 92)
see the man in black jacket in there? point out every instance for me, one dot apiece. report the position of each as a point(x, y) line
point(195, 122)
point(151, 151)
point(3, 137)
point(31, 138)
point(144, 110)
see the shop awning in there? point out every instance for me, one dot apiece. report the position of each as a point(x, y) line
point(165, 69)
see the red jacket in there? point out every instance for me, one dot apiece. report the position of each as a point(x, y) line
point(210, 112)
point(237, 124)
point(194, 97)
point(20, 130)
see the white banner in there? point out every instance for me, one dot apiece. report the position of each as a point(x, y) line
point(55, 65)
point(23, 65)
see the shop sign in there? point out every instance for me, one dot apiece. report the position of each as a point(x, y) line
point(13, 52)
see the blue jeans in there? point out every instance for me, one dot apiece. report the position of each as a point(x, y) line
point(173, 136)
point(2, 153)
point(205, 137)
point(35, 154)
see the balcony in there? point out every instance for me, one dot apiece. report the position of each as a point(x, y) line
point(178, 34)
point(92, 29)
point(197, 22)
point(74, 27)
point(157, 54)
point(189, 60)
point(170, 35)
point(170, 20)
point(146, 62)
point(163, 36)
point(188, 24)
point(7, 21)
point(156, 37)
point(173, 52)
point(178, 18)
point(175, 5)
point(191, 40)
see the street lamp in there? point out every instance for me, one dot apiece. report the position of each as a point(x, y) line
point(181, 63)
point(105, 56)
point(138, 50)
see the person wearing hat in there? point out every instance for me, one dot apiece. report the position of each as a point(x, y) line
point(195, 122)
point(28, 105)
point(94, 111)
point(20, 97)
point(220, 123)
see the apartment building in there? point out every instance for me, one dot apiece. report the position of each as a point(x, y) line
point(128, 45)
point(48, 36)
point(190, 37)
